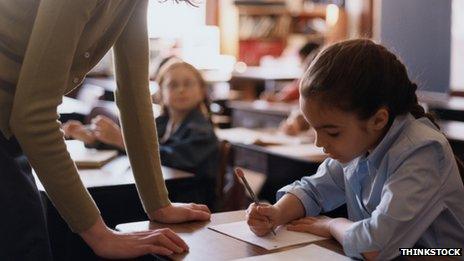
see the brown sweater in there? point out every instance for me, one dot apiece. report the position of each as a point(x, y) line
point(46, 49)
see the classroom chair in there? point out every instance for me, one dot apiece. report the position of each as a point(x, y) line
point(230, 193)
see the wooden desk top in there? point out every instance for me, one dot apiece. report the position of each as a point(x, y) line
point(206, 244)
point(117, 173)
point(441, 100)
point(276, 108)
point(269, 142)
point(454, 130)
point(269, 73)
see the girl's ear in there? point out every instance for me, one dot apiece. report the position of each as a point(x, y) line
point(379, 120)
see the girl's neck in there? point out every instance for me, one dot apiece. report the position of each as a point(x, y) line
point(378, 140)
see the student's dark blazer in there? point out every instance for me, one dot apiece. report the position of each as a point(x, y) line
point(193, 147)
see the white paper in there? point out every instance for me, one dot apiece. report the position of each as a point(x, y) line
point(307, 253)
point(284, 237)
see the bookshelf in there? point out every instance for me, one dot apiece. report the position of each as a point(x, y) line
point(265, 27)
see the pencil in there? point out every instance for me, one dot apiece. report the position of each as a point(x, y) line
point(241, 175)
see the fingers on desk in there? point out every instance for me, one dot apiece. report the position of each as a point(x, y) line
point(167, 239)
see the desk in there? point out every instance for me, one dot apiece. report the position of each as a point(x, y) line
point(206, 244)
point(74, 109)
point(445, 106)
point(282, 164)
point(269, 73)
point(118, 173)
point(113, 189)
point(256, 79)
point(454, 131)
point(259, 114)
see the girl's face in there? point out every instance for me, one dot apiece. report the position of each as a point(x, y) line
point(341, 134)
point(181, 90)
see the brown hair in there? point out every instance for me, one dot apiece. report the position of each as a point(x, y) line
point(345, 73)
point(361, 76)
point(176, 63)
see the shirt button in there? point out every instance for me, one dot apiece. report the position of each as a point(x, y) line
point(87, 55)
point(76, 80)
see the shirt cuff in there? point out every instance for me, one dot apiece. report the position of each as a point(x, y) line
point(349, 241)
point(310, 206)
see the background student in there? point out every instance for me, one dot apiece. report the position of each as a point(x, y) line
point(388, 161)
point(185, 131)
point(47, 48)
point(290, 92)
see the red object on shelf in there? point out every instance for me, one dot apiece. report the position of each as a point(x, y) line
point(251, 51)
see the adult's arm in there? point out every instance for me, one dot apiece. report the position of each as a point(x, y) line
point(34, 118)
point(134, 103)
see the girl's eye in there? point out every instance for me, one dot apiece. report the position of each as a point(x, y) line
point(172, 85)
point(334, 134)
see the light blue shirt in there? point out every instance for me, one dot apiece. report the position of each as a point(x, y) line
point(406, 193)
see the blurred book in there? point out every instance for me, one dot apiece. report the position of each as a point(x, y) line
point(87, 157)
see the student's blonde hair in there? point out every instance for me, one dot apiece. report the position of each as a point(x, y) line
point(178, 63)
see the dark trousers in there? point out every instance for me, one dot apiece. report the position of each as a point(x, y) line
point(23, 231)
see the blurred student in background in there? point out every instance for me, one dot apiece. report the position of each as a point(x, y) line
point(290, 92)
point(185, 131)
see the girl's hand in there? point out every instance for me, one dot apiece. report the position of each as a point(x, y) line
point(76, 130)
point(108, 243)
point(319, 225)
point(181, 212)
point(107, 131)
point(262, 218)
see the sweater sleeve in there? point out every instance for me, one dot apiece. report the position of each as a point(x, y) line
point(134, 102)
point(34, 118)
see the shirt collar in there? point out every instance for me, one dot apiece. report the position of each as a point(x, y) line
point(375, 158)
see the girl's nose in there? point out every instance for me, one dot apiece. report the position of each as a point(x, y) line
point(318, 141)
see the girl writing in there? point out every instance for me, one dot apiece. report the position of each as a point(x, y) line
point(388, 161)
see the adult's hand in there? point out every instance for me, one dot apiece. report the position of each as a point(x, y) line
point(181, 212)
point(108, 243)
